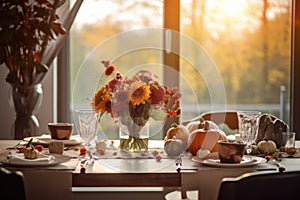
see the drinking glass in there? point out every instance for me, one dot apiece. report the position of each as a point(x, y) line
point(248, 127)
point(289, 139)
point(86, 121)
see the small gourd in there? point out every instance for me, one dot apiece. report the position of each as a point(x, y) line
point(31, 153)
point(179, 131)
point(174, 146)
point(266, 147)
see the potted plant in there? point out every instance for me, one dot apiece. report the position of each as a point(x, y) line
point(27, 29)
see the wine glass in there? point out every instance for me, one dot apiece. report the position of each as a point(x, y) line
point(86, 121)
point(248, 127)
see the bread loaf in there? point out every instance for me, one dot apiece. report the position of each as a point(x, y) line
point(271, 128)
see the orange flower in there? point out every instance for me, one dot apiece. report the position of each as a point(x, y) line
point(109, 70)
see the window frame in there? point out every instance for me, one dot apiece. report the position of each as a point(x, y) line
point(173, 22)
point(295, 69)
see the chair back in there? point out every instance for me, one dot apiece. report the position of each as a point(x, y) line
point(229, 118)
point(12, 184)
point(219, 117)
point(261, 186)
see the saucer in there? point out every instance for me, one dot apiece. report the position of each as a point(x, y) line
point(45, 140)
point(247, 161)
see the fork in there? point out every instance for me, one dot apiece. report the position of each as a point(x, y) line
point(280, 166)
point(21, 143)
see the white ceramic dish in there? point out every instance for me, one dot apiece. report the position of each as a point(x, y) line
point(247, 161)
point(30, 163)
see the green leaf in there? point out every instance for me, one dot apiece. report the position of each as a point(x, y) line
point(2, 55)
point(41, 68)
point(158, 115)
point(11, 77)
point(6, 36)
point(58, 29)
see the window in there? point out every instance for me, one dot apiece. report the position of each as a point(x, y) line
point(246, 44)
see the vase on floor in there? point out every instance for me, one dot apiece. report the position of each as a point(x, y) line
point(25, 101)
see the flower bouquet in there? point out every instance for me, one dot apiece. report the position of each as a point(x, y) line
point(132, 102)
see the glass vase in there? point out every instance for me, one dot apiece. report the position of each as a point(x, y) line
point(134, 136)
point(25, 101)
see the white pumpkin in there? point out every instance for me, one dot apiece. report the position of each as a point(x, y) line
point(266, 147)
point(174, 147)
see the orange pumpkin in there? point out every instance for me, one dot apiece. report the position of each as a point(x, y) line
point(199, 124)
point(205, 138)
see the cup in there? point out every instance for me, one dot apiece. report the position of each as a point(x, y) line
point(60, 131)
point(248, 127)
point(86, 121)
point(231, 152)
point(289, 139)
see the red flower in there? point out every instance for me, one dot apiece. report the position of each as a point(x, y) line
point(178, 112)
point(157, 95)
point(118, 76)
point(111, 84)
point(109, 70)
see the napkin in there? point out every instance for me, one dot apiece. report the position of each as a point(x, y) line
point(20, 159)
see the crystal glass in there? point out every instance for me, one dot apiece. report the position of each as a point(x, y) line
point(248, 127)
point(86, 121)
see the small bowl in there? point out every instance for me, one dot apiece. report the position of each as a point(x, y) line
point(60, 131)
point(231, 152)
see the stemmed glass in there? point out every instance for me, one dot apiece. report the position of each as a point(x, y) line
point(86, 121)
point(248, 127)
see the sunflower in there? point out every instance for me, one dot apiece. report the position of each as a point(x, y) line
point(101, 101)
point(140, 93)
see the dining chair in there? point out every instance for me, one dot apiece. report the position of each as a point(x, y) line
point(12, 185)
point(261, 186)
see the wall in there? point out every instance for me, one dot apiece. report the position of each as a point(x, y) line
point(45, 113)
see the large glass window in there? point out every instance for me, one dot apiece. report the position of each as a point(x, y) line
point(249, 42)
point(233, 54)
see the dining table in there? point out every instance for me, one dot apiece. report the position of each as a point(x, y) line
point(180, 174)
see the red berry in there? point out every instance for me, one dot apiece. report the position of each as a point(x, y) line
point(158, 158)
point(82, 150)
point(268, 158)
point(39, 148)
point(102, 152)
point(21, 149)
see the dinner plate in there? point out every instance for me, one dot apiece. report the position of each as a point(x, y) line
point(58, 159)
point(247, 161)
point(45, 140)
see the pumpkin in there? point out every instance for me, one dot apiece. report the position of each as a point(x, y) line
point(31, 153)
point(179, 131)
point(205, 138)
point(174, 146)
point(266, 147)
point(199, 124)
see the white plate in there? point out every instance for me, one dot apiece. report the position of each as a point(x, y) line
point(247, 161)
point(58, 160)
point(46, 139)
